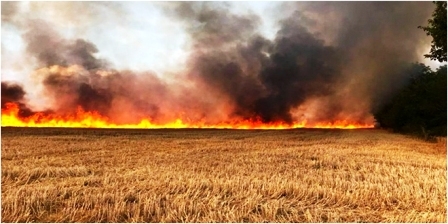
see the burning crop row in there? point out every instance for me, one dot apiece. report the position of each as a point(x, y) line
point(82, 119)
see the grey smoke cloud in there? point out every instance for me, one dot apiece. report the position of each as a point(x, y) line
point(363, 63)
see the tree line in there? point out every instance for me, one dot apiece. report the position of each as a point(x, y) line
point(420, 107)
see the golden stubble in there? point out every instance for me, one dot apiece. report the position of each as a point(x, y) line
point(83, 175)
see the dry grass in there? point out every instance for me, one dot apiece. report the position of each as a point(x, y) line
point(57, 175)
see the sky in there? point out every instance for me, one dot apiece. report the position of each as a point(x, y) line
point(344, 47)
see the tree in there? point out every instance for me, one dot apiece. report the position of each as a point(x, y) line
point(421, 106)
point(437, 29)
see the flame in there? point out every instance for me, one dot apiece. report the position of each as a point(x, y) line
point(87, 119)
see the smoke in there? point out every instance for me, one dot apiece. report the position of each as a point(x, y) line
point(300, 66)
point(349, 70)
point(13, 93)
point(49, 48)
point(327, 62)
point(8, 9)
point(73, 77)
point(379, 39)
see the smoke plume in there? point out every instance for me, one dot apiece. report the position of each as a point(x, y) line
point(328, 61)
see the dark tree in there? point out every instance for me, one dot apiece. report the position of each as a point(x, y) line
point(437, 29)
point(421, 106)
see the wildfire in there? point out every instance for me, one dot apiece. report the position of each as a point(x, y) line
point(86, 119)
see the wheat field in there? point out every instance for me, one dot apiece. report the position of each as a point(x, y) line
point(92, 175)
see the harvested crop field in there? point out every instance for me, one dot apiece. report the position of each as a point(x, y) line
point(303, 175)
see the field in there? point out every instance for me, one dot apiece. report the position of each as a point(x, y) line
point(92, 175)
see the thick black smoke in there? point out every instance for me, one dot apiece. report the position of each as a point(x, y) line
point(264, 79)
point(300, 66)
point(11, 93)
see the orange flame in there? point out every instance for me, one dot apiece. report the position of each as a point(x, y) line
point(86, 119)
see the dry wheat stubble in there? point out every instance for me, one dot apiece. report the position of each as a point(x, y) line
point(89, 175)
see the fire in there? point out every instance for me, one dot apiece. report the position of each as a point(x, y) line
point(87, 119)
